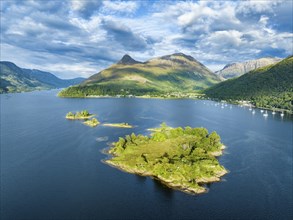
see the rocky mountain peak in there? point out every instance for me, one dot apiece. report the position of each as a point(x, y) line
point(126, 59)
point(183, 55)
point(237, 69)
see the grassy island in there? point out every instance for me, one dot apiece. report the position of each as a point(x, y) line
point(181, 158)
point(118, 125)
point(92, 123)
point(79, 115)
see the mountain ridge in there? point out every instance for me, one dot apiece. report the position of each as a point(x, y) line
point(237, 69)
point(17, 79)
point(270, 86)
point(170, 73)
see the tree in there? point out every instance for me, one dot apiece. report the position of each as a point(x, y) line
point(70, 114)
point(95, 121)
point(133, 137)
point(214, 138)
point(163, 125)
point(159, 137)
point(85, 113)
point(202, 132)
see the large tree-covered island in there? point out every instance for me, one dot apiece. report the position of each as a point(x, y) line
point(181, 158)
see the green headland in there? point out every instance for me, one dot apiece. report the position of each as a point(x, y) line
point(181, 158)
point(268, 87)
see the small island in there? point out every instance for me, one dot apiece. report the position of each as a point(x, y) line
point(118, 125)
point(79, 115)
point(92, 123)
point(181, 158)
point(159, 129)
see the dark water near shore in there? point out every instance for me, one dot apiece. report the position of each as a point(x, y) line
point(51, 168)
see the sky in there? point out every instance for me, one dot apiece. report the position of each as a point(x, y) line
point(80, 38)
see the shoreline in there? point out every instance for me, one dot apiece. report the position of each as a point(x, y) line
point(275, 109)
point(80, 118)
point(200, 97)
point(167, 182)
point(117, 125)
point(187, 96)
point(90, 123)
point(244, 103)
point(133, 97)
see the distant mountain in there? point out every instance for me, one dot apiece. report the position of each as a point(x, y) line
point(270, 86)
point(237, 69)
point(16, 79)
point(172, 73)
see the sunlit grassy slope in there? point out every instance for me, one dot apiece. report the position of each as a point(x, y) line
point(172, 73)
point(16, 79)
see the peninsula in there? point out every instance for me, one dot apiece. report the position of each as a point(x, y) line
point(181, 158)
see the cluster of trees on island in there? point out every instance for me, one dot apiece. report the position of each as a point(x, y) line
point(183, 158)
point(84, 114)
point(93, 122)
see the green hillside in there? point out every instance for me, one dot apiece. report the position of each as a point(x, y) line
point(269, 87)
point(16, 79)
point(172, 73)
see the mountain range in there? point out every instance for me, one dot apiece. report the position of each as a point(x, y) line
point(237, 69)
point(171, 73)
point(16, 79)
point(270, 86)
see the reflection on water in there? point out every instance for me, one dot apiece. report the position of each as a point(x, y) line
point(102, 139)
point(141, 179)
point(166, 191)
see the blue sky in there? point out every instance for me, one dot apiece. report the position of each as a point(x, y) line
point(80, 38)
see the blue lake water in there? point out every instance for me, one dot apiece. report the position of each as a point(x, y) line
point(52, 168)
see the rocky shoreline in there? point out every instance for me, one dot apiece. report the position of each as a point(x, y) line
point(170, 182)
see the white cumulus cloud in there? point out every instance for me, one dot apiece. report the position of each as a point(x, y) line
point(120, 6)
